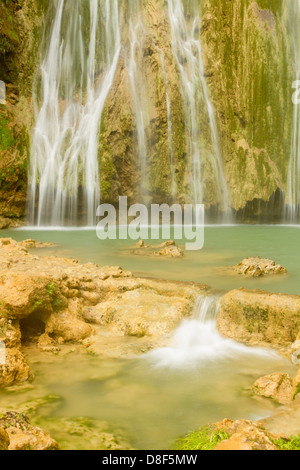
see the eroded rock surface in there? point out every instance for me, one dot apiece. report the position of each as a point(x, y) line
point(260, 318)
point(257, 267)
point(245, 435)
point(279, 387)
point(16, 433)
point(51, 301)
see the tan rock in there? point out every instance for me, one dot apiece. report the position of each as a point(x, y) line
point(279, 387)
point(260, 318)
point(245, 435)
point(63, 325)
point(170, 252)
point(4, 439)
point(296, 384)
point(140, 313)
point(22, 294)
point(257, 267)
point(10, 333)
point(15, 370)
point(23, 436)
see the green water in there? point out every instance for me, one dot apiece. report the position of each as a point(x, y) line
point(151, 406)
point(224, 247)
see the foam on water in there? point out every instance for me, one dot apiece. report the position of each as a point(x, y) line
point(197, 343)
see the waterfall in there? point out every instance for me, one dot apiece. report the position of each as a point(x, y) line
point(196, 342)
point(75, 78)
point(186, 43)
point(293, 183)
point(170, 131)
point(82, 46)
point(138, 85)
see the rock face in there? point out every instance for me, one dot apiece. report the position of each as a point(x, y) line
point(257, 267)
point(260, 318)
point(248, 70)
point(52, 301)
point(20, 31)
point(16, 433)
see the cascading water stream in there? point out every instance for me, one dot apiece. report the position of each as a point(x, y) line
point(197, 343)
point(83, 44)
point(138, 86)
point(170, 130)
point(293, 184)
point(75, 78)
point(188, 53)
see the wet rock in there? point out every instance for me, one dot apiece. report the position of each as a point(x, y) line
point(170, 252)
point(69, 328)
point(257, 267)
point(260, 318)
point(22, 294)
point(15, 370)
point(140, 313)
point(279, 387)
point(23, 436)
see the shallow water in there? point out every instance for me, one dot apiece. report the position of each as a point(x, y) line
point(193, 381)
point(224, 247)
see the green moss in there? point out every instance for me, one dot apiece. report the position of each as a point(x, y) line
point(206, 438)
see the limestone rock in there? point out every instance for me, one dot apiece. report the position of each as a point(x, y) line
point(22, 294)
point(4, 439)
point(279, 387)
point(170, 252)
point(71, 329)
point(257, 267)
point(23, 436)
point(15, 370)
point(259, 317)
point(245, 435)
point(140, 313)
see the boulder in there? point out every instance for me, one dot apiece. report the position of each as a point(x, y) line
point(257, 267)
point(279, 387)
point(67, 327)
point(21, 435)
point(260, 318)
point(15, 370)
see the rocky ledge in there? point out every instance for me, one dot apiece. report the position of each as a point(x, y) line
point(51, 301)
point(259, 318)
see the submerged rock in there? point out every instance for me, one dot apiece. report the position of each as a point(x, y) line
point(168, 249)
point(257, 267)
point(16, 433)
point(260, 318)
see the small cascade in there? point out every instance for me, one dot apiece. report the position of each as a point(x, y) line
point(185, 35)
point(293, 183)
point(77, 72)
point(197, 342)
